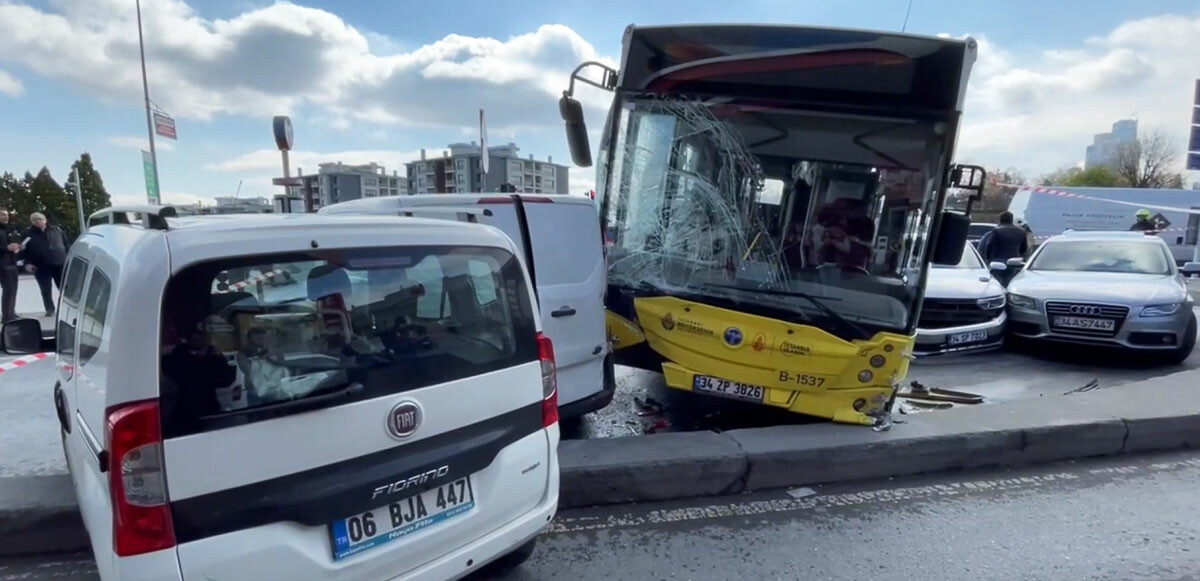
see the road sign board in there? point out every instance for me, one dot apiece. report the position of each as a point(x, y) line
point(164, 125)
point(151, 180)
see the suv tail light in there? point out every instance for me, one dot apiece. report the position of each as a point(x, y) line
point(549, 381)
point(137, 480)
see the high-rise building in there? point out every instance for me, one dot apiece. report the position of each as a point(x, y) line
point(459, 170)
point(1103, 149)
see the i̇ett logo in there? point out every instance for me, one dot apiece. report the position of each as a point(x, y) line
point(733, 337)
point(668, 322)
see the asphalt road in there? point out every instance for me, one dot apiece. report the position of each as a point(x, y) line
point(1123, 518)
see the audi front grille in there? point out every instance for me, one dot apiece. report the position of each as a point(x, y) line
point(1114, 313)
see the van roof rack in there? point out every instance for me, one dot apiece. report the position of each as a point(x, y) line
point(153, 217)
point(471, 214)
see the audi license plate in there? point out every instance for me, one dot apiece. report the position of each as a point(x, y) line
point(387, 523)
point(726, 388)
point(968, 337)
point(1085, 323)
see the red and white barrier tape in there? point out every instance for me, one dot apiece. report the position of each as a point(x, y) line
point(1155, 232)
point(22, 361)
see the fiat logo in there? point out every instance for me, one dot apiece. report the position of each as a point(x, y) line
point(1084, 310)
point(404, 419)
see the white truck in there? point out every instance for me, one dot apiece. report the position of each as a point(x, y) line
point(1049, 211)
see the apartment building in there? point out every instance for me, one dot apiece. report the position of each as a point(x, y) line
point(459, 170)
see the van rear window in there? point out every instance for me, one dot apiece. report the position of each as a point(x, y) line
point(250, 339)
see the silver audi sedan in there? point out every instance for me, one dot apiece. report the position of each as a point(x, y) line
point(1110, 288)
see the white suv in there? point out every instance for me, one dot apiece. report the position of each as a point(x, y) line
point(388, 411)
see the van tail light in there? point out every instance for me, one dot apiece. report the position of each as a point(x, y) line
point(549, 381)
point(137, 480)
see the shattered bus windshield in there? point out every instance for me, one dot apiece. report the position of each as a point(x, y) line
point(815, 216)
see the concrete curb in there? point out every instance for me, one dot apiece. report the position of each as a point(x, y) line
point(1159, 414)
point(38, 514)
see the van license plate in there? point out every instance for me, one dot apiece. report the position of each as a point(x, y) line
point(726, 388)
point(969, 337)
point(355, 534)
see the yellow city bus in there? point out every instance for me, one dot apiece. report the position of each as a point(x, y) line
point(771, 198)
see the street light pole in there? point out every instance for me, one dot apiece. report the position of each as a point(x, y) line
point(79, 201)
point(146, 93)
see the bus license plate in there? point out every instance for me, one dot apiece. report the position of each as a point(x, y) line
point(355, 534)
point(726, 388)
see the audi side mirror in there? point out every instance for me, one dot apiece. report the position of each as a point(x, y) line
point(997, 265)
point(1016, 262)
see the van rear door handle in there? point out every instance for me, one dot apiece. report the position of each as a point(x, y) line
point(563, 312)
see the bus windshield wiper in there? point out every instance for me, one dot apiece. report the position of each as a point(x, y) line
point(846, 324)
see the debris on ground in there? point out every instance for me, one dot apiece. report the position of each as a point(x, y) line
point(649, 407)
point(1089, 386)
point(920, 393)
point(802, 492)
point(658, 426)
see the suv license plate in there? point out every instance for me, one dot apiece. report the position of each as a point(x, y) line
point(969, 337)
point(725, 388)
point(355, 534)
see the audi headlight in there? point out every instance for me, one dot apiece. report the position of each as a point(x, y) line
point(1161, 310)
point(1022, 302)
point(991, 303)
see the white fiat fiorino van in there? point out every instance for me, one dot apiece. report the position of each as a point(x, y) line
point(388, 411)
point(559, 238)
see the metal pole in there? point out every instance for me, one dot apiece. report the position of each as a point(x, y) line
point(146, 92)
point(287, 180)
point(79, 201)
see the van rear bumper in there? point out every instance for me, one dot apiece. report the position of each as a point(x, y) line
point(495, 545)
point(596, 401)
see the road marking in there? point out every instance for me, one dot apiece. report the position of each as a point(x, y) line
point(574, 524)
point(22, 361)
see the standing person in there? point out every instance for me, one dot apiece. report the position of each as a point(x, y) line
point(45, 252)
point(1144, 223)
point(10, 247)
point(1007, 241)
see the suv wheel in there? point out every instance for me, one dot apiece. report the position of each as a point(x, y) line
point(1189, 342)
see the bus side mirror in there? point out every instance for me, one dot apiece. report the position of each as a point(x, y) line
point(577, 137)
point(951, 239)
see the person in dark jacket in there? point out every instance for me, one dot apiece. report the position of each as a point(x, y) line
point(45, 251)
point(10, 247)
point(1007, 241)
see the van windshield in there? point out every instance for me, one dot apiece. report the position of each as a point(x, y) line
point(248, 339)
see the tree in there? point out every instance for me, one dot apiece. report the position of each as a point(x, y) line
point(1147, 162)
point(1097, 176)
point(95, 197)
point(50, 199)
point(16, 197)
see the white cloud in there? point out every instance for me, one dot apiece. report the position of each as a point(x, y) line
point(10, 85)
point(1038, 112)
point(275, 59)
point(269, 159)
point(134, 142)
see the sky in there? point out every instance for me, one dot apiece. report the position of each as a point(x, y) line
point(378, 80)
